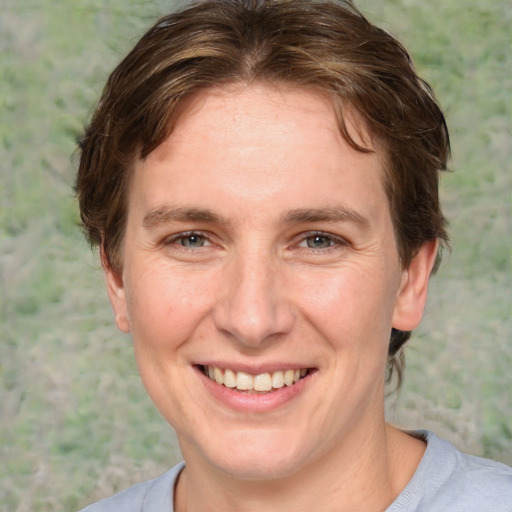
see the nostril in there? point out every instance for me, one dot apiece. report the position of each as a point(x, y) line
point(254, 322)
point(252, 306)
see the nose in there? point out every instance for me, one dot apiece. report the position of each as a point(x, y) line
point(252, 306)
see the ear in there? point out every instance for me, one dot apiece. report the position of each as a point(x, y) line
point(412, 295)
point(116, 293)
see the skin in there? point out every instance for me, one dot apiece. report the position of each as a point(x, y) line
point(221, 267)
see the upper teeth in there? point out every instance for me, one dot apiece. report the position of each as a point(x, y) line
point(243, 381)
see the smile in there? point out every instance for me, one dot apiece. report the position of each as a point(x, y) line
point(263, 382)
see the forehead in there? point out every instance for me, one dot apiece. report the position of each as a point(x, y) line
point(257, 142)
point(273, 104)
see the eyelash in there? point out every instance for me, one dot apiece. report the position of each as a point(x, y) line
point(335, 242)
point(172, 240)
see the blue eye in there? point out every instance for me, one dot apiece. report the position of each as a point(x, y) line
point(192, 240)
point(319, 242)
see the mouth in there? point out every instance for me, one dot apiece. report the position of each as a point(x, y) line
point(262, 383)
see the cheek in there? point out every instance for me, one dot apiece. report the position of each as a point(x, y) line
point(351, 307)
point(164, 307)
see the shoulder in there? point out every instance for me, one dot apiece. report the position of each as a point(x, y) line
point(467, 472)
point(448, 479)
point(154, 495)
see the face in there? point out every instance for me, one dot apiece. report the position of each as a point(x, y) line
point(261, 281)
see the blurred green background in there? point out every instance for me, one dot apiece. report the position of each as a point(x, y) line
point(75, 423)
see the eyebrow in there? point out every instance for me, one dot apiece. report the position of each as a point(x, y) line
point(166, 214)
point(335, 214)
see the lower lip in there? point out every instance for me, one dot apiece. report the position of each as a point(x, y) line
point(253, 402)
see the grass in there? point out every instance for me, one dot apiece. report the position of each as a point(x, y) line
point(76, 423)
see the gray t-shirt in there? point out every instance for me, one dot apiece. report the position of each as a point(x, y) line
point(446, 480)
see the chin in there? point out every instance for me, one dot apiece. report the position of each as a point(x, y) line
point(269, 457)
point(264, 468)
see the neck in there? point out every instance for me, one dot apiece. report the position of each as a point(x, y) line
point(363, 473)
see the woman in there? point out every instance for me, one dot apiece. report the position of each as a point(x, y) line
point(262, 180)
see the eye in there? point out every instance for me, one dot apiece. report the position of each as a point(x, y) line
point(319, 241)
point(190, 240)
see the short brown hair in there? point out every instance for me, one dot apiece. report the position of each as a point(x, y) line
point(326, 45)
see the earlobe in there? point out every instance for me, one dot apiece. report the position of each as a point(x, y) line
point(412, 295)
point(116, 293)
